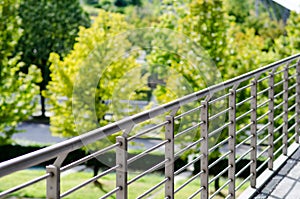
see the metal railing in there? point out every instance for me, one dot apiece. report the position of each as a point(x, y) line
point(258, 111)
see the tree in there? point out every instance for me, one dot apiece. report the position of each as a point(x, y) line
point(204, 25)
point(48, 26)
point(90, 76)
point(17, 89)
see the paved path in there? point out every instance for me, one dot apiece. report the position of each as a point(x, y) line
point(286, 184)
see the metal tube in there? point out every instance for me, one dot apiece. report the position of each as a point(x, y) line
point(243, 115)
point(188, 129)
point(187, 112)
point(220, 189)
point(219, 159)
point(219, 98)
point(169, 155)
point(244, 101)
point(232, 142)
point(147, 130)
point(263, 91)
point(243, 182)
point(91, 156)
point(122, 171)
point(245, 127)
point(187, 165)
point(262, 79)
point(188, 147)
point(297, 127)
point(285, 110)
point(147, 171)
point(220, 144)
point(204, 149)
point(153, 188)
point(88, 181)
point(253, 130)
point(279, 138)
point(264, 139)
point(243, 169)
point(262, 104)
point(243, 142)
point(188, 181)
point(218, 114)
point(219, 174)
point(110, 193)
point(219, 129)
point(53, 182)
point(196, 193)
point(26, 184)
point(147, 151)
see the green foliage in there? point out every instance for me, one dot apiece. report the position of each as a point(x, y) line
point(48, 26)
point(91, 75)
point(17, 89)
point(289, 44)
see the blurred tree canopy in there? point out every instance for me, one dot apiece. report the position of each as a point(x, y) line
point(17, 89)
point(48, 26)
point(85, 81)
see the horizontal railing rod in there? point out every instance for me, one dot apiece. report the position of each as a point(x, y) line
point(244, 168)
point(72, 144)
point(147, 171)
point(91, 156)
point(263, 151)
point(220, 144)
point(219, 114)
point(188, 181)
point(153, 188)
point(243, 182)
point(219, 159)
point(26, 184)
point(278, 139)
point(111, 193)
point(188, 147)
point(220, 189)
point(147, 130)
point(188, 164)
point(187, 112)
point(264, 103)
point(147, 152)
point(243, 115)
point(88, 181)
point(264, 78)
point(244, 128)
point(219, 174)
point(263, 164)
point(243, 155)
point(264, 139)
point(244, 141)
point(219, 98)
point(188, 129)
point(292, 137)
point(196, 193)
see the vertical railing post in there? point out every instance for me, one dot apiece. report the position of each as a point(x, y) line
point(271, 121)
point(253, 133)
point(297, 120)
point(53, 182)
point(169, 155)
point(231, 142)
point(204, 149)
point(121, 172)
point(285, 109)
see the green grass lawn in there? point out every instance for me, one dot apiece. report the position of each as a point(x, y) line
point(91, 191)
